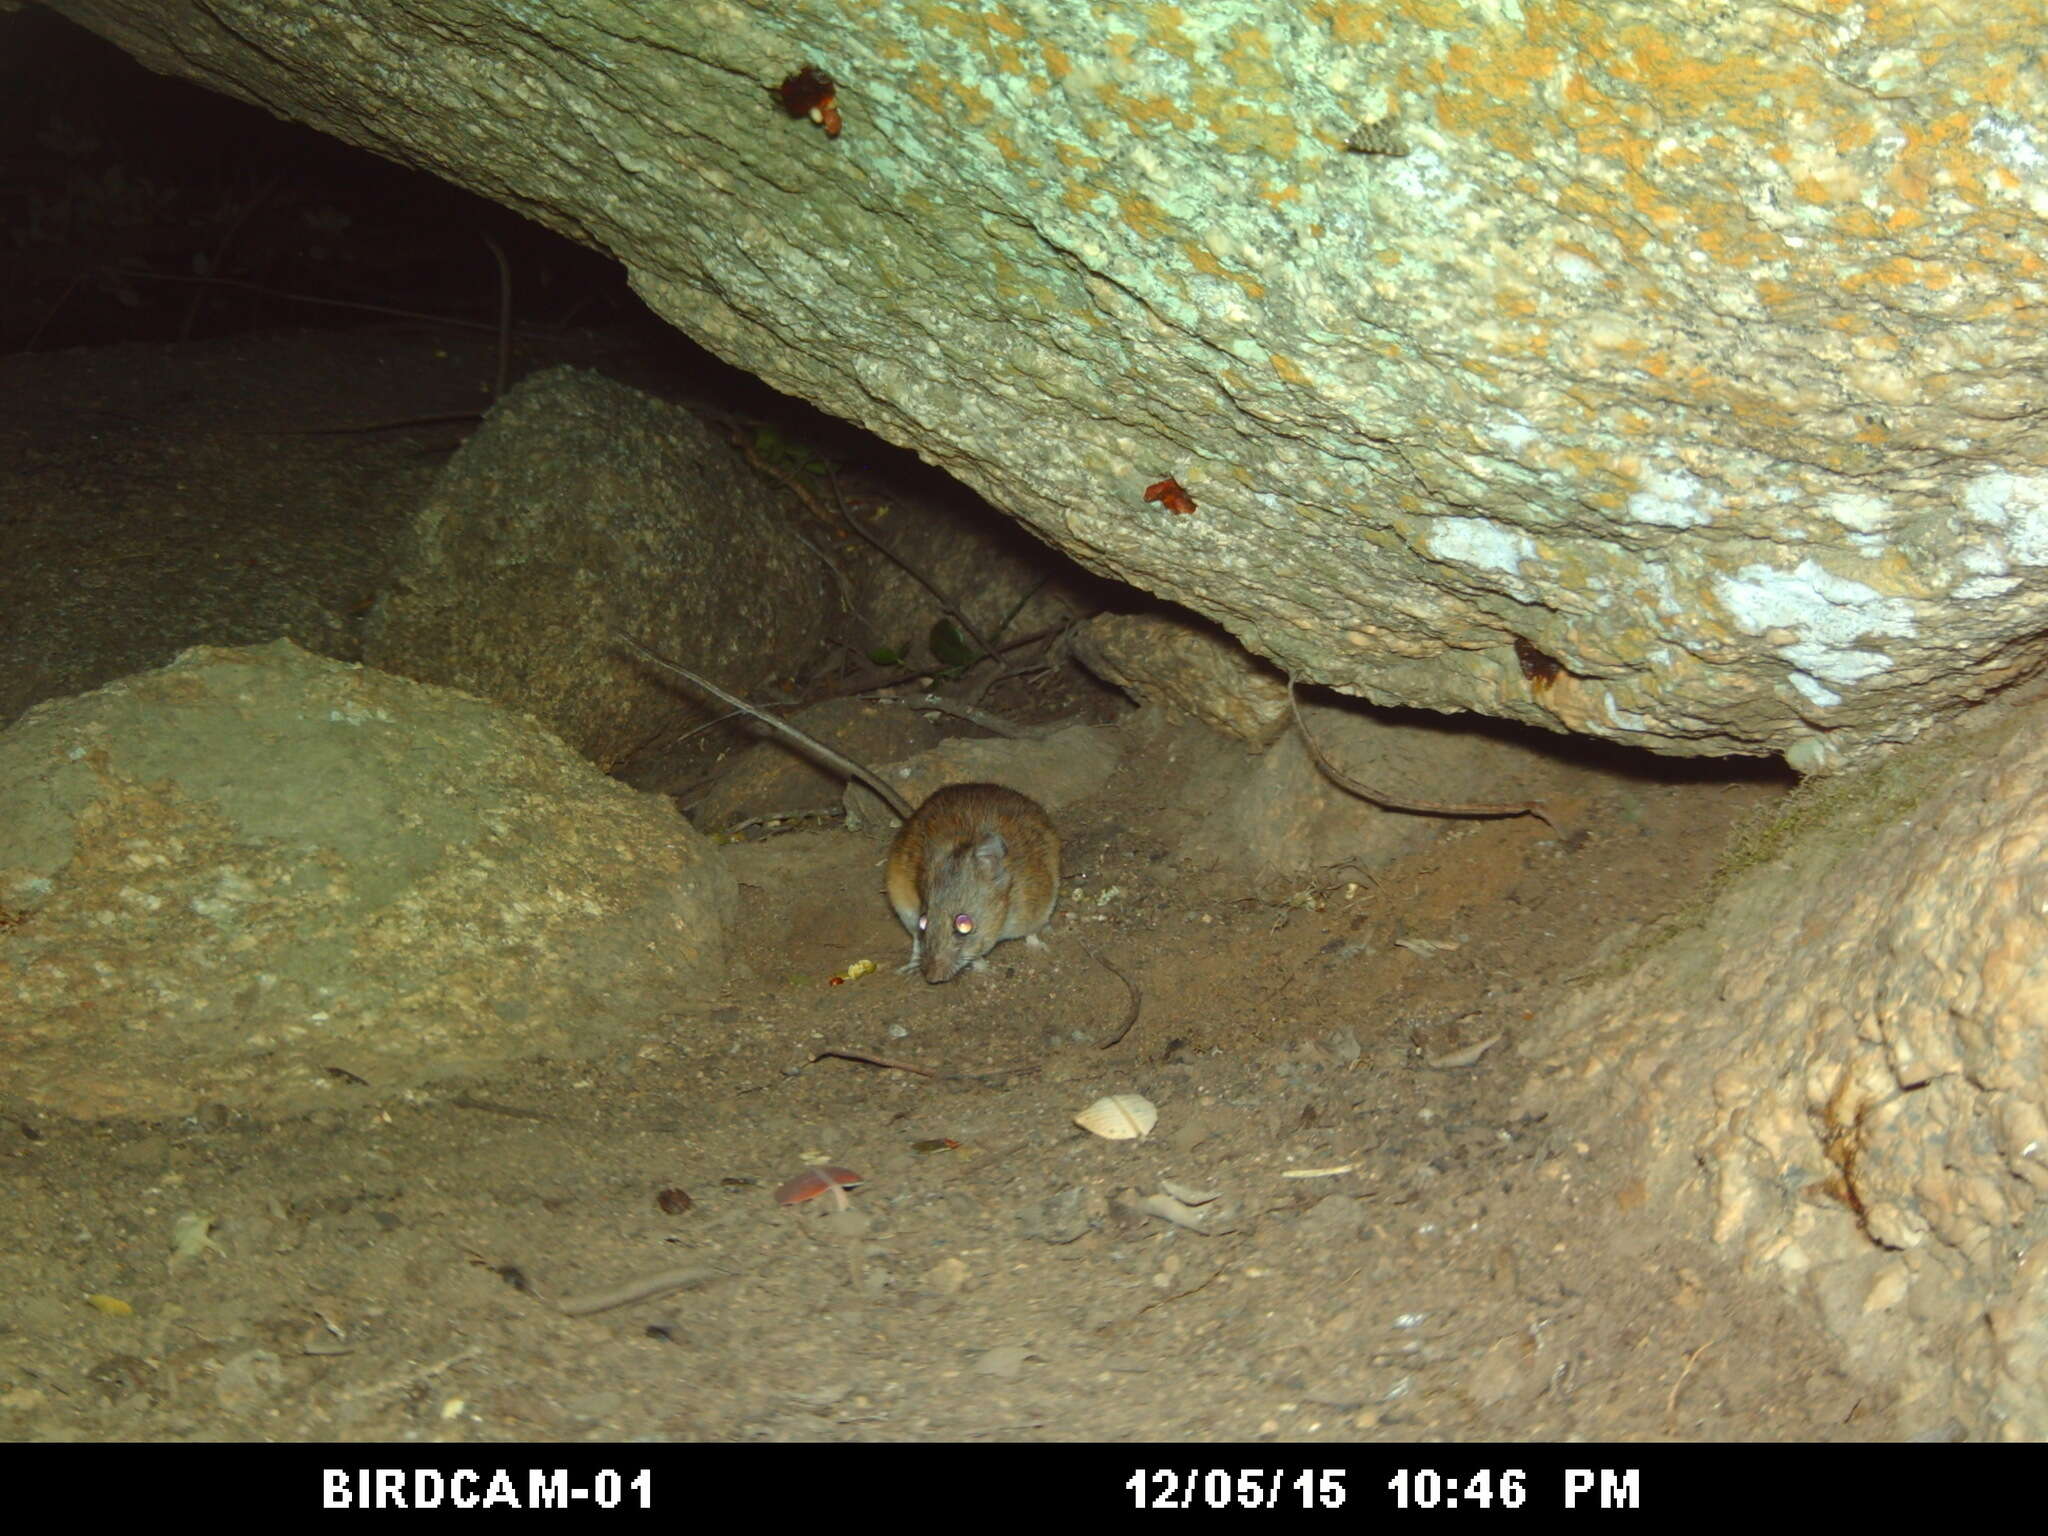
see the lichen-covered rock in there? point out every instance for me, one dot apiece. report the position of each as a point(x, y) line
point(1852, 1050)
point(580, 508)
point(1693, 347)
point(772, 777)
point(1189, 667)
point(1278, 813)
point(266, 879)
point(1056, 770)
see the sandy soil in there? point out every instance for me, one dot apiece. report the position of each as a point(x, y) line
point(1389, 1253)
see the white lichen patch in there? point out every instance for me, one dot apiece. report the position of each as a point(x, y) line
point(1513, 431)
point(1627, 719)
point(2012, 144)
point(1827, 615)
point(1814, 690)
point(1482, 545)
point(1983, 588)
point(1859, 511)
point(1673, 498)
point(2016, 506)
point(353, 712)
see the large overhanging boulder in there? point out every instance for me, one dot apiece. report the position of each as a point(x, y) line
point(1668, 373)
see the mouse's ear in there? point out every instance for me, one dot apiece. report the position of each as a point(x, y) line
point(990, 849)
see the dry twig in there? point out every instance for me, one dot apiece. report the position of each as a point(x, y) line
point(1401, 803)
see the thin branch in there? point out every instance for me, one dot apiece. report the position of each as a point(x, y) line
point(881, 678)
point(947, 605)
point(1401, 803)
point(980, 717)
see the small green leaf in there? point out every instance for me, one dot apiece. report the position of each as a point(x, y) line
point(950, 646)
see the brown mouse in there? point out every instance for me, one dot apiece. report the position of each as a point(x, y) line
point(974, 865)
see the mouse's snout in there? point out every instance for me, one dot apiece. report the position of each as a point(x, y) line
point(949, 948)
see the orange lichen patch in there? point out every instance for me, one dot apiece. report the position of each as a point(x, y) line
point(1899, 272)
point(1480, 84)
point(2024, 261)
point(1522, 68)
point(1837, 184)
point(1614, 139)
point(1057, 62)
point(1747, 90)
point(975, 28)
point(1001, 268)
point(1938, 140)
point(1166, 29)
point(1122, 48)
point(1897, 572)
point(1480, 97)
point(970, 104)
point(1594, 463)
point(1242, 129)
point(1079, 197)
point(1573, 248)
point(1249, 58)
point(1349, 24)
point(1141, 112)
point(1436, 15)
point(1704, 84)
point(1682, 157)
point(1742, 245)
point(1352, 24)
point(1290, 370)
point(1145, 217)
point(1648, 201)
point(1204, 261)
point(947, 97)
point(928, 87)
point(1777, 295)
point(1008, 147)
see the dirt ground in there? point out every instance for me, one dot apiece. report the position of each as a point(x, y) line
point(1375, 1246)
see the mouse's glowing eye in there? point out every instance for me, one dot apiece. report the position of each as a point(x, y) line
point(962, 923)
point(923, 922)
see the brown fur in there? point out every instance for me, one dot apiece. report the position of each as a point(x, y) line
point(974, 852)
